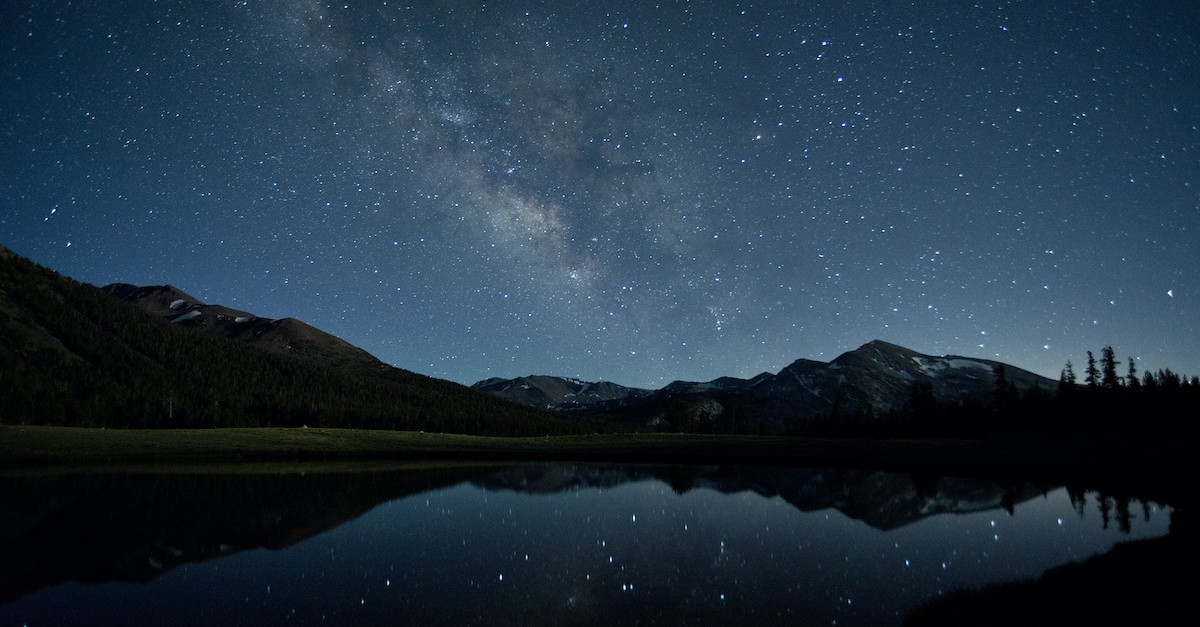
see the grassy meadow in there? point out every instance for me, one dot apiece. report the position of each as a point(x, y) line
point(1119, 463)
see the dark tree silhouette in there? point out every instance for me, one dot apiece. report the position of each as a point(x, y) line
point(1108, 368)
point(1005, 395)
point(1123, 517)
point(1066, 379)
point(1105, 504)
point(1091, 376)
point(1131, 380)
point(1078, 498)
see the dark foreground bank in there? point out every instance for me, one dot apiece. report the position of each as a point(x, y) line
point(1148, 582)
point(1161, 466)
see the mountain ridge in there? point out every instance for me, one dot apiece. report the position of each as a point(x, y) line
point(554, 392)
point(878, 376)
point(282, 335)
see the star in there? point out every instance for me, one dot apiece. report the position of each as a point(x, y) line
point(827, 167)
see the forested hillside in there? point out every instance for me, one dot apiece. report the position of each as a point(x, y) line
point(72, 355)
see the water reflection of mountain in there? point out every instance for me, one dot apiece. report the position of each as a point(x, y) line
point(133, 527)
point(883, 500)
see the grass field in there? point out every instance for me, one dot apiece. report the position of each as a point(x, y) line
point(41, 446)
point(1158, 466)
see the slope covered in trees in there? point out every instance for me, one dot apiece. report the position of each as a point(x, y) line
point(73, 355)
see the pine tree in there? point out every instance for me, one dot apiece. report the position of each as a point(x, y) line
point(1131, 380)
point(1005, 393)
point(1108, 368)
point(1066, 379)
point(1091, 376)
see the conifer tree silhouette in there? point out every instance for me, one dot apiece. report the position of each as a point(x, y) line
point(1108, 368)
point(1091, 376)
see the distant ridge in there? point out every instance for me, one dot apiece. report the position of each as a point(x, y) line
point(878, 376)
point(286, 335)
point(561, 393)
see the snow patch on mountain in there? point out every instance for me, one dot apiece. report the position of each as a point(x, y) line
point(195, 313)
point(933, 366)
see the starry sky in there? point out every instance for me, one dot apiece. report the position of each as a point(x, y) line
point(629, 191)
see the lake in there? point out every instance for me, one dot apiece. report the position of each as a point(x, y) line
point(569, 544)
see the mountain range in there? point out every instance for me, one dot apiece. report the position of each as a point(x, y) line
point(128, 355)
point(876, 377)
point(561, 393)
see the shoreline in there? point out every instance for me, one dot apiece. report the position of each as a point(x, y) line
point(1158, 466)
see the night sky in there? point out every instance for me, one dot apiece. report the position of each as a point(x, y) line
point(637, 192)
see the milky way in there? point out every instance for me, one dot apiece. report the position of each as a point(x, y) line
point(626, 191)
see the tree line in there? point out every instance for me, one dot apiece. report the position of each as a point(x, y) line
point(1107, 398)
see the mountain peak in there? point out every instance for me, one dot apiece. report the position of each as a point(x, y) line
point(285, 335)
point(881, 345)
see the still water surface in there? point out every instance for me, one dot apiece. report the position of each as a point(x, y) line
point(541, 544)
